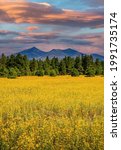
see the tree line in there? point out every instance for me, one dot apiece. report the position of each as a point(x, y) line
point(13, 66)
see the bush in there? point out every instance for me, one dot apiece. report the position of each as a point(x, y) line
point(47, 71)
point(4, 72)
point(74, 72)
point(40, 73)
point(90, 72)
point(12, 73)
point(53, 73)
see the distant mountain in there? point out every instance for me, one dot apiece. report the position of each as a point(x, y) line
point(39, 54)
point(97, 56)
point(33, 53)
point(56, 53)
point(72, 53)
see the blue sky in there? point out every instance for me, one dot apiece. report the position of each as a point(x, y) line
point(51, 24)
point(74, 4)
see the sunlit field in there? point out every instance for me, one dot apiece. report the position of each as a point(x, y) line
point(51, 113)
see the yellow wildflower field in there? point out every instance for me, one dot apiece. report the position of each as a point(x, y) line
point(51, 113)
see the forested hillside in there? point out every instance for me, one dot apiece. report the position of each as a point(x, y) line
point(13, 66)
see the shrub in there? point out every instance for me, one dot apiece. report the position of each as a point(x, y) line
point(74, 72)
point(90, 71)
point(12, 73)
point(47, 71)
point(4, 72)
point(53, 73)
point(40, 73)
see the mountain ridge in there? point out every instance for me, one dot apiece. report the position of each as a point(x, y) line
point(40, 54)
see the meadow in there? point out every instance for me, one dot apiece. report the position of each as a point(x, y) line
point(51, 113)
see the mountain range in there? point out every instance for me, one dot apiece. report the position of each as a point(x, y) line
point(39, 54)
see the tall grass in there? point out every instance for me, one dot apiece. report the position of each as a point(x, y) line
point(51, 113)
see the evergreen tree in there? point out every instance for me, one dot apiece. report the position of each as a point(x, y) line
point(74, 72)
point(47, 66)
point(3, 72)
point(40, 72)
point(69, 64)
point(98, 67)
point(12, 73)
point(102, 64)
point(40, 65)
point(33, 66)
point(53, 73)
point(90, 71)
point(3, 61)
point(19, 65)
point(78, 65)
point(62, 67)
point(11, 63)
point(87, 63)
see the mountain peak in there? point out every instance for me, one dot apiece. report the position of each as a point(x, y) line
point(32, 53)
point(69, 52)
point(33, 48)
point(72, 52)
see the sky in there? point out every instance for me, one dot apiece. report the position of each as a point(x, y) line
point(51, 24)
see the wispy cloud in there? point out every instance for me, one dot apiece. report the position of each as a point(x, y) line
point(32, 28)
point(26, 12)
point(48, 26)
point(5, 32)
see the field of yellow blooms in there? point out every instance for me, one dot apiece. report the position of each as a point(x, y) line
point(51, 113)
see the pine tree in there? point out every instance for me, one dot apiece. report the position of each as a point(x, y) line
point(19, 65)
point(98, 67)
point(78, 65)
point(33, 66)
point(74, 72)
point(11, 61)
point(12, 73)
point(3, 61)
point(47, 66)
point(62, 67)
point(53, 73)
point(4, 72)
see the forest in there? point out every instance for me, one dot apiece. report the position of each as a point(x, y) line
point(18, 65)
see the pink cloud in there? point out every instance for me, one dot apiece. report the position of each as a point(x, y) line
point(32, 28)
point(44, 13)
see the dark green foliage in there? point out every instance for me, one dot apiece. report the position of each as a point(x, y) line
point(3, 61)
point(12, 73)
point(4, 72)
point(74, 72)
point(102, 64)
point(62, 67)
point(33, 66)
point(18, 65)
point(69, 62)
point(78, 65)
point(87, 61)
point(11, 61)
point(98, 67)
point(90, 71)
point(53, 73)
point(40, 73)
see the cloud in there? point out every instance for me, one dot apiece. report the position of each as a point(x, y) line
point(32, 28)
point(27, 38)
point(44, 13)
point(75, 42)
point(40, 35)
point(60, 28)
point(86, 42)
point(5, 32)
point(6, 1)
point(96, 39)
